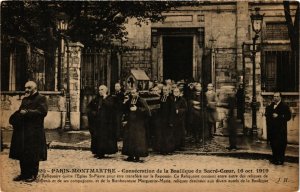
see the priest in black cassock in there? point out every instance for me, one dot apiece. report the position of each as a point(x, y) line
point(136, 113)
point(177, 118)
point(101, 124)
point(164, 133)
point(118, 96)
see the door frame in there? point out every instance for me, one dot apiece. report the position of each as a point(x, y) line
point(157, 51)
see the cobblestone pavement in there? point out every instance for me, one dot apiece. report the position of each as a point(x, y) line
point(260, 175)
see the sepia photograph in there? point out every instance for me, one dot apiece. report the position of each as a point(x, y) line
point(150, 96)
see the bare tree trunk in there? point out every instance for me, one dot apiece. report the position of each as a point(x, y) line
point(293, 32)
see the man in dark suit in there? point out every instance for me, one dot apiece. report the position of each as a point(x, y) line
point(277, 116)
point(28, 143)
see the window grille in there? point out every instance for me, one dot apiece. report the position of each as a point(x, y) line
point(279, 72)
point(20, 64)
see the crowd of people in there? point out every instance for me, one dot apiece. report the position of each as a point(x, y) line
point(185, 109)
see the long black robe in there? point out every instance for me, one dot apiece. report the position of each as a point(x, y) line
point(240, 97)
point(102, 126)
point(118, 112)
point(177, 120)
point(231, 122)
point(198, 117)
point(28, 141)
point(135, 142)
point(164, 133)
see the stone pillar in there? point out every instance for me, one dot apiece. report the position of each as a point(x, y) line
point(242, 23)
point(249, 91)
point(154, 63)
point(74, 75)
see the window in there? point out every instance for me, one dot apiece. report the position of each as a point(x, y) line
point(279, 67)
point(36, 68)
point(279, 72)
point(13, 68)
point(276, 31)
point(19, 64)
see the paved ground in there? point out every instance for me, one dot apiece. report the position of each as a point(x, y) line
point(258, 175)
point(58, 139)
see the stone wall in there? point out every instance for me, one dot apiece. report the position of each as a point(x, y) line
point(225, 73)
point(138, 36)
point(138, 58)
point(12, 101)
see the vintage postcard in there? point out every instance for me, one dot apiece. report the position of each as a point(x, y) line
point(149, 96)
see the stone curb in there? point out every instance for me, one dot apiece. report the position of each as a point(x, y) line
point(242, 154)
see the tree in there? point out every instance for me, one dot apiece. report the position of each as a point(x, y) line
point(293, 28)
point(91, 22)
point(293, 32)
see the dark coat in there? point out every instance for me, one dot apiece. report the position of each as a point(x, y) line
point(277, 127)
point(28, 140)
point(240, 97)
point(177, 120)
point(232, 121)
point(118, 112)
point(211, 109)
point(118, 100)
point(198, 117)
point(164, 133)
point(135, 142)
point(102, 125)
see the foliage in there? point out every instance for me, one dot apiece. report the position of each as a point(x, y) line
point(91, 22)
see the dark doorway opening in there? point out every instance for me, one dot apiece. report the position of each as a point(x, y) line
point(177, 58)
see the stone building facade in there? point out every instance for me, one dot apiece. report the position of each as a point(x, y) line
point(208, 43)
point(216, 33)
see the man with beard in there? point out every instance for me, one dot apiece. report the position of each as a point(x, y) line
point(136, 112)
point(277, 115)
point(101, 124)
point(28, 143)
point(118, 102)
point(164, 133)
point(198, 115)
point(177, 118)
